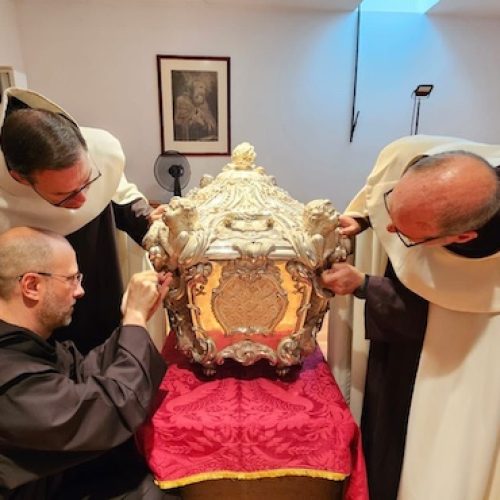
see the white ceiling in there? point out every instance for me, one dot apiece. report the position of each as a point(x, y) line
point(334, 5)
point(459, 8)
point(465, 8)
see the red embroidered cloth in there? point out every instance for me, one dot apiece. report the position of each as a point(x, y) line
point(246, 423)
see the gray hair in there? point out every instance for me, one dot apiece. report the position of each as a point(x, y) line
point(459, 217)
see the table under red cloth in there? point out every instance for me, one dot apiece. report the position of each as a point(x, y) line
point(247, 423)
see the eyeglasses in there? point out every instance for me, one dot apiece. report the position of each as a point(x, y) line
point(75, 193)
point(407, 242)
point(73, 279)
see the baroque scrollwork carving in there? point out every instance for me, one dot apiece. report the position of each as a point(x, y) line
point(246, 257)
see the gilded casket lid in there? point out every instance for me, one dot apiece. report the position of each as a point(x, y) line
point(243, 213)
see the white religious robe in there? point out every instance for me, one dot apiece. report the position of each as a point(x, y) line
point(21, 205)
point(453, 435)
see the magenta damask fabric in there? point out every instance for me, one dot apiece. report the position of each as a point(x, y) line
point(247, 423)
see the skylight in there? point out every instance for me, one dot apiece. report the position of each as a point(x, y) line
point(411, 6)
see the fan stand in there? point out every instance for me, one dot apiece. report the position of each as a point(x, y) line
point(176, 171)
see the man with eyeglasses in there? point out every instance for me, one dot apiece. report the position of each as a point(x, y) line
point(428, 270)
point(69, 179)
point(61, 411)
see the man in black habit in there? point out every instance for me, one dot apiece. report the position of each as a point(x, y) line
point(428, 269)
point(61, 411)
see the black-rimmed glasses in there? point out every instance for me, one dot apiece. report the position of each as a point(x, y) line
point(75, 193)
point(407, 242)
point(74, 279)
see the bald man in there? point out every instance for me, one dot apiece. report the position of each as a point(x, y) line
point(60, 409)
point(428, 273)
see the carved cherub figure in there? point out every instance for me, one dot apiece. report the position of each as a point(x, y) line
point(181, 215)
point(320, 223)
point(178, 239)
point(320, 217)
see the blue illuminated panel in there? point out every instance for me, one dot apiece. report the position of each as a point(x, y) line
point(411, 6)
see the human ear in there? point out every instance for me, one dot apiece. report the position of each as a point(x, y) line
point(465, 237)
point(19, 178)
point(30, 286)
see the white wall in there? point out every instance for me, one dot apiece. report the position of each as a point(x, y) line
point(291, 80)
point(459, 56)
point(10, 47)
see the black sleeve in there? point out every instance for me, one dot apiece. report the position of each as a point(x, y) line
point(132, 218)
point(106, 396)
point(393, 313)
point(364, 223)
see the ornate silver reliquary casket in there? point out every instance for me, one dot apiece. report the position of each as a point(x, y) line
point(246, 260)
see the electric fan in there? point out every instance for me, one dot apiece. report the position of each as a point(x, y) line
point(172, 171)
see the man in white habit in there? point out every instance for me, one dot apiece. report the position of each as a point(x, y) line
point(428, 269)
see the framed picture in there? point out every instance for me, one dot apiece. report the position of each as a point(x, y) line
point(6, 79)
point(194, 104)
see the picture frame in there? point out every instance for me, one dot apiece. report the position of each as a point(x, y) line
point(194, 102)
point(6, 79)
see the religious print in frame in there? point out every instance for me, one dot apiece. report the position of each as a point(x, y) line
point(6, 79)
point(194, 104)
